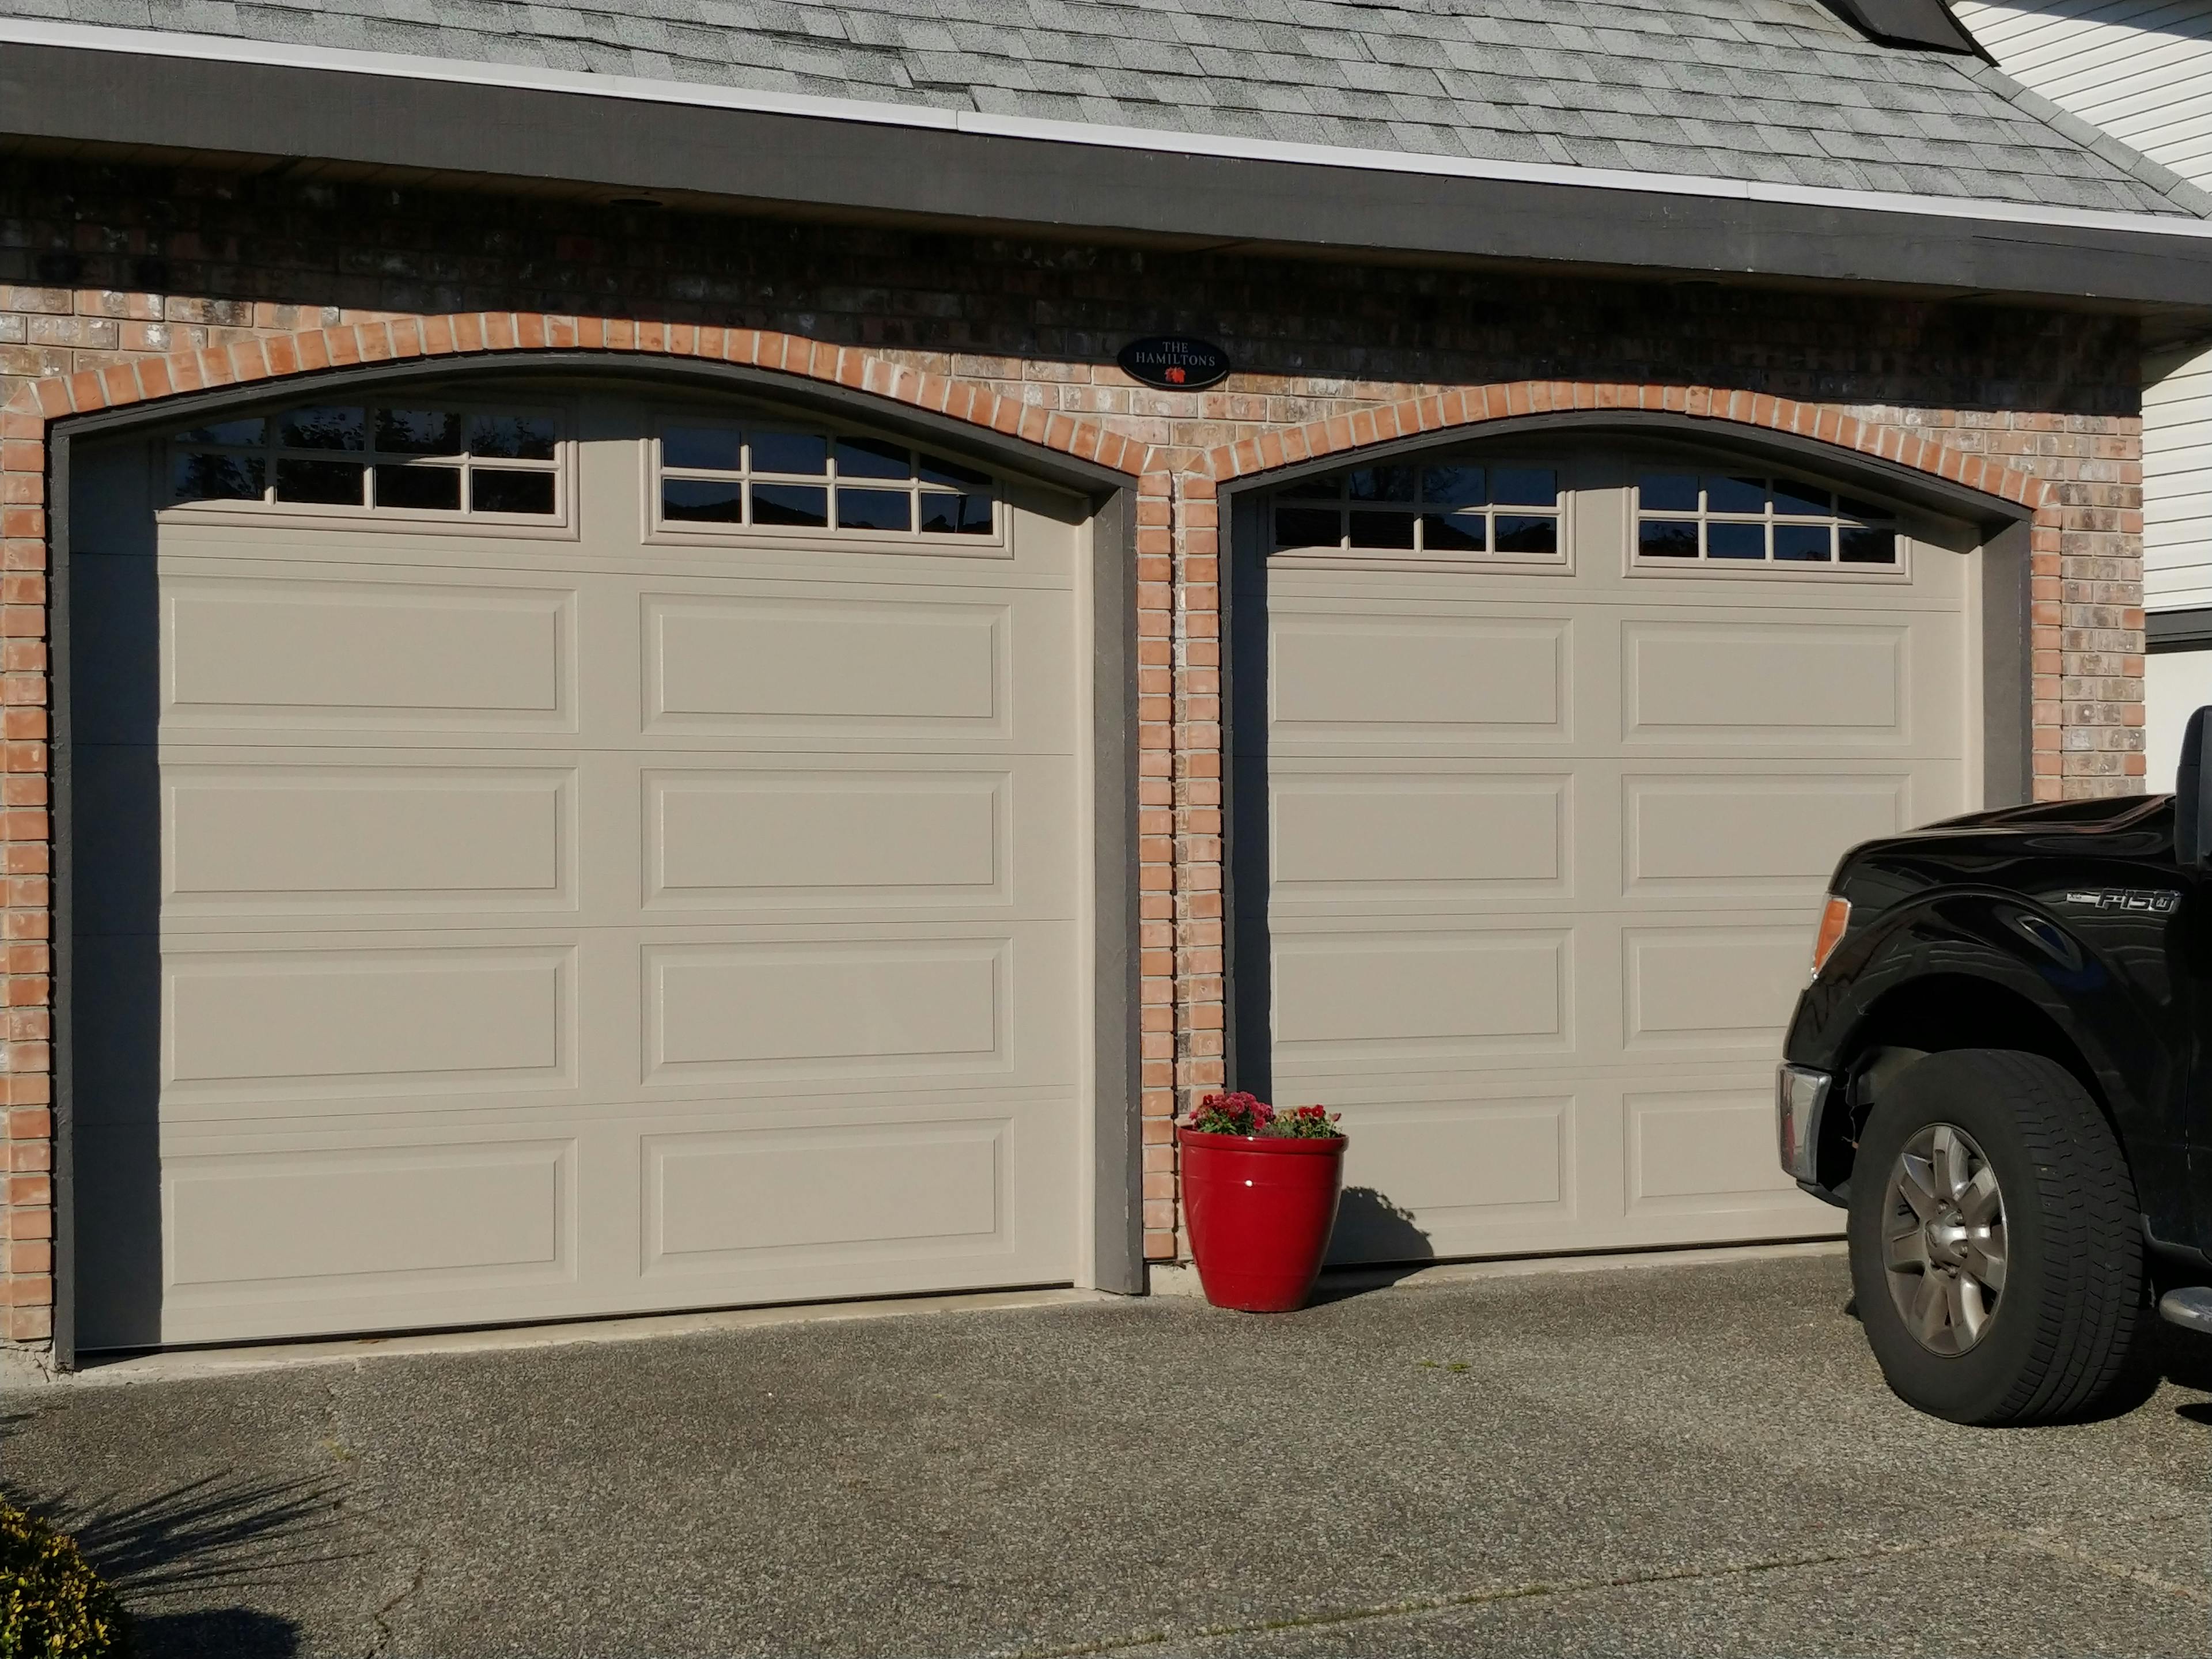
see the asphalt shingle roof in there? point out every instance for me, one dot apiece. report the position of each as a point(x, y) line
point(1777, 91)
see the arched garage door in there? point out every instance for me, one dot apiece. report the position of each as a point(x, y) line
point(555, 852)
point(1543, 759)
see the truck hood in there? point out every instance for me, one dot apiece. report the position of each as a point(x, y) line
point(2054, 814)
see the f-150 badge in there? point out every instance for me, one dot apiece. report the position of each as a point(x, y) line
point(2135, 901)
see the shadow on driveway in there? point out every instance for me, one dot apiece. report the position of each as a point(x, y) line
point(198, 1543)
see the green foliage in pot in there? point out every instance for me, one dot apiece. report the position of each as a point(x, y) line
point(1240, 1114)
point(52, 1604)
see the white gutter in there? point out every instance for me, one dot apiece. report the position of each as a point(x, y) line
point(229, 49)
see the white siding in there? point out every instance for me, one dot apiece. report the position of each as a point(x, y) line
point(2177, 480)
point(2141, 69)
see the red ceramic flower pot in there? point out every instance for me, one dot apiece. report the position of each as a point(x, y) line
point(1261, 1208)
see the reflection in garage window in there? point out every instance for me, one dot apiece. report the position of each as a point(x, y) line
point(770, 477)
point(400, 457)
point(1449, 508)
point(1740, 519)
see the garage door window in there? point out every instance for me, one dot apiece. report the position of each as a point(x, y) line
point(718, 478)
point(377, 458)
point(1446, 508)
point(1739, 520)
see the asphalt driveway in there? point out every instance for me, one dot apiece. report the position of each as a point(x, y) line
point(1682, 1459)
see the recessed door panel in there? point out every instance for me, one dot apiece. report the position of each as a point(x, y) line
point(1369, 676)
point(1809, 685)
point(848, 1009)
point(767, 665)
point(767, 838)
point(1745, 834)
point(711, 1198)
point(367, 838)
point(1414, 836)
point(312, 652)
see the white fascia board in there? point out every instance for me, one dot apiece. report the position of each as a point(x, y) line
point(229, 49)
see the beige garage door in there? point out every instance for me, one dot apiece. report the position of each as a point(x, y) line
point(559, 854)
point(1560, 751)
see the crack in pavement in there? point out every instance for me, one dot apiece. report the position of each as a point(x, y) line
point(2052, 1545)
point(2041, 1543)
point(1465, 1599)
point(344, 1508)
point(381, 1617)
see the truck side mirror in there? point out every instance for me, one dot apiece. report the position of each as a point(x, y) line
point(2193, 796)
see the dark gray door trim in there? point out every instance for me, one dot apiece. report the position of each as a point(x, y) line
point(2177, 630)
point(1247, 991)
point(1117, 1243)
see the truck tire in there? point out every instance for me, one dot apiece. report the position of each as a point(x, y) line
point(1986, 1165)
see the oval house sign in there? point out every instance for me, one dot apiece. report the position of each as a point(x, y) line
point(1174, 363)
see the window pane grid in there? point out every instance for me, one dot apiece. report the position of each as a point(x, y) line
point(759, 477)
point(1738, 519)
point(371, 457)
point(1449, 508)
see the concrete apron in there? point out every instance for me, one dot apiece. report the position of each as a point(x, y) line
point(21, 1370)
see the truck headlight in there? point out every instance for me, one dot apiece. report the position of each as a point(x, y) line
point(1835, 917)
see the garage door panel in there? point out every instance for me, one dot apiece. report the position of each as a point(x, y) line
point(1740, 834)
point(854, 834)
point(720, 1200)
point(307, 1230)
point(1368, 677)
point(1711, 988)
point(758, 839)
point(1418, 998)
point(1933, 584)
point(474, 1213)
point(870, 666)
point(1709, 1150)
point(391, 655)
point(1430, 836)
point(368, 839)
point(850, 1009)
point(384, 1019)
point(1561, 1160)
point(632, 1014)
point(1760, 681)
point(1423, 1174)
point(607, 1218)
point(209, 529)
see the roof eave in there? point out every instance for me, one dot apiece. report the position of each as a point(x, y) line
point(846, 156)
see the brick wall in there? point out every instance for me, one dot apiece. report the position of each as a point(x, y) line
point(120, 284)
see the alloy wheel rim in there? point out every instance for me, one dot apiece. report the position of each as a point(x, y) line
point(1943, 1239)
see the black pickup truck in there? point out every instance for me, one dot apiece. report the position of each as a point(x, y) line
point(2003, 1069)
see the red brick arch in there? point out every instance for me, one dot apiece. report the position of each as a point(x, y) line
point(1441, 412)
point(489, 333)
point(459, 335)
point(471, 334)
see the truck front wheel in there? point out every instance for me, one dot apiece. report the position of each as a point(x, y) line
point(1994, 1240)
